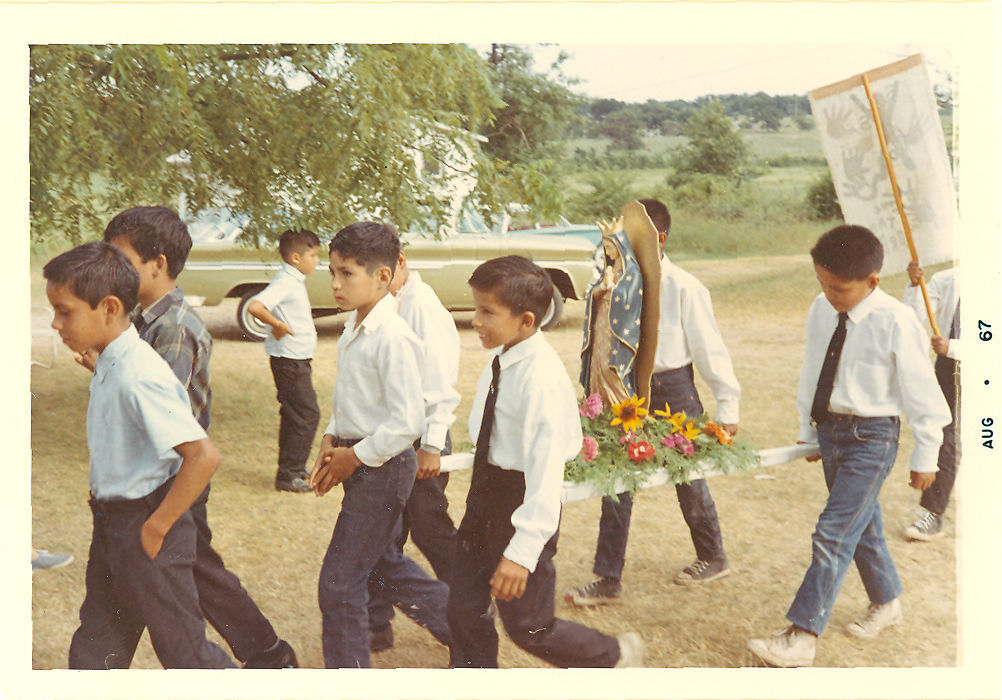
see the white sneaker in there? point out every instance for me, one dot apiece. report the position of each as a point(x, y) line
point(631, 651)
point(790, 647)
point(876, 618)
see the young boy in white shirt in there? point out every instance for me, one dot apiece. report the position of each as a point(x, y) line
point(864, 364)
point(149, 461)
point(687, 337)
point(378, 412)
point(426, 515)
point(525, 423)
point(285, 306)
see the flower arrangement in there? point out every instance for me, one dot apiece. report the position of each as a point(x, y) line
point(625, 443)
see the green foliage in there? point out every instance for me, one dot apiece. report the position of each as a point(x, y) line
point(822, 202)
point(803, 121)
point(714, 147)
point(624, 129)
point(607, 191)
point(311, 135)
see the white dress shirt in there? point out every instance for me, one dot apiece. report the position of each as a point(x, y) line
point(137, 414)
point(286, 298)
point(421, 309)
point(377, 392)
point(943, 296)
point(884, 370)
point(536, 431)
point(687, 333)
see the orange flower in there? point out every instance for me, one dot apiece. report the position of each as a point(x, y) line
point(629, 414)
point(723, 437)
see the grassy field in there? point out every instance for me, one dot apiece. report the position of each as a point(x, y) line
point(275, 542)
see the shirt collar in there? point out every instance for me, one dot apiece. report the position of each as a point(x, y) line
point(868, 304)
point(114, 351)
point(413, 280)
point(383, 310)
point(161, 306)
point(290, 270)
point(519, 351)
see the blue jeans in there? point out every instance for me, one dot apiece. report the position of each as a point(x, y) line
point(857, 454)
point(676, 388)
point(374, 497)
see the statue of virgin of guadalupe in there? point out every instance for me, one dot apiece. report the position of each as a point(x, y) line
point(621, 312)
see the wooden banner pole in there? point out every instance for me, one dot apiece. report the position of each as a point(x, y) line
point(897, 198)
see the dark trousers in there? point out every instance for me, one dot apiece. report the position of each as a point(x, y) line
point(483, 536)
point(224, 602)
point(936, 497)
point(298, 416)
point(676, 388)
point(128, 592)
point(374, 498)
point(426, 519)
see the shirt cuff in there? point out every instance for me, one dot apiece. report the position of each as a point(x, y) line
point(367, 454)
point(435, 436)
point(924, 459)
point(523, 552)
point(808, 434)
point(727, 413)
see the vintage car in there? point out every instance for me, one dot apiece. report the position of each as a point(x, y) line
point(220, 269)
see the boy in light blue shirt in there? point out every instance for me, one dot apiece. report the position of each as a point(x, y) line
point(285, 306)
point(149, 461)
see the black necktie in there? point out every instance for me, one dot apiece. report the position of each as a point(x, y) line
point(819, 409)
point(487, 422)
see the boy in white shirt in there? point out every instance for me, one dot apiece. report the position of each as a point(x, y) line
point(285, 306)
point(864, 363)
point(944, 297)
point(426, 515)
point(525, 423)
point(377, 413)
point(687, 337)
point(149, 461)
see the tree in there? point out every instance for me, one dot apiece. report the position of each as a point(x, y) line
point(765, 111)
point(313, 135)
point(624, 128)
point(714, 146)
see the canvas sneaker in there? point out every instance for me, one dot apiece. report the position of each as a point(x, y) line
point(877, 617)
point(44, 560)
point(381, 639)
point(926, 526)
point(702, 571)
point(786, 649)
point(631, 651)
point(601, 591)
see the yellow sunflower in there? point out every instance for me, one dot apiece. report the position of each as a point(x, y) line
point(663, 414)
point(691, 431)
point(629, 414)
point(677, 419)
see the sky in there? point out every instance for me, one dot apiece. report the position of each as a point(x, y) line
point(636, 73)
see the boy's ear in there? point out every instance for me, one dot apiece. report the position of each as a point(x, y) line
point(383, 275)
point(528, 319)
point(111, 306)
point(160, 265)
point(873, 280)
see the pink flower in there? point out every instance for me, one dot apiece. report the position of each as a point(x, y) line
point(683, 444)
point(591, 407)
point(626, 438)
point(668, 441)
point(589, 448)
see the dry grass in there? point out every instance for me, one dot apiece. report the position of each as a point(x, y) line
point(275, 542)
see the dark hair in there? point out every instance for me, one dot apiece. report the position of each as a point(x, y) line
point(518, 283)
point(659, 214)
point(296, 240)
point(850, 252)
point(369, 243)
point(152, 231)
point(94, 271)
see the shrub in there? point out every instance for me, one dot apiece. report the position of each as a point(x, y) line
point(822, 202)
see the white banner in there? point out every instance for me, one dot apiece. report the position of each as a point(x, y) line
point(914, 134)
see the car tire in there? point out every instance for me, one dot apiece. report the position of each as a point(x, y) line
point(556, 310)
point(250, 326)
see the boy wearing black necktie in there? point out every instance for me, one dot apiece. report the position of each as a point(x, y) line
point(864, 364)
point(525, 423)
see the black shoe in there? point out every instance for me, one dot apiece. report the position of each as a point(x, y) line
point(280, 655)
point(601, 591)
point(381, 640)
point(296, 485)
point(702, 571)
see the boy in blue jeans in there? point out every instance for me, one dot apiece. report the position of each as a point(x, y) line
point(864, 364)
point(525, 423)
point(156, 242)
point(378, 411)
point(285, 306)
point(149, 461)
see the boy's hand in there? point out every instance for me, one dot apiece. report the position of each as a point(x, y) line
point(731, 428)
point(921, 480)
point(340, 463)
point(429, 465)
point(508, 581)
point(810, 458)
point(280, 329)
point(152, 537)
point(87, 358)
point(940, 344)
point(914, 273)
